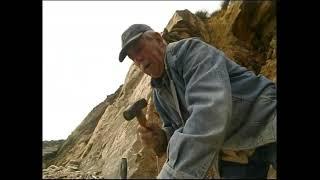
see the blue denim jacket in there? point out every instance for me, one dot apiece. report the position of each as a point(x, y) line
point(209, 103)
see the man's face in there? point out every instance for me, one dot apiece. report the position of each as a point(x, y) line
point(148, 54)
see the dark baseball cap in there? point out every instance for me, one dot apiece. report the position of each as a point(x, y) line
point(130, 36)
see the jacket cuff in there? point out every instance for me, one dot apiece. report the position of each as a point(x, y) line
point(168, 133)
point(169, 173)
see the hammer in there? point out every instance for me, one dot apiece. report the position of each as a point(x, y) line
point(135, 110)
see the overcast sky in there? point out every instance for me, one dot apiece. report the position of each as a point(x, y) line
point(81, 44)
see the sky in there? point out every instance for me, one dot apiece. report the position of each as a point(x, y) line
point(81, 45)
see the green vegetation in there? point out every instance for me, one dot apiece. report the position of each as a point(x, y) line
point(202, 14)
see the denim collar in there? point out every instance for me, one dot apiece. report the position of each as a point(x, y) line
point(159, 82)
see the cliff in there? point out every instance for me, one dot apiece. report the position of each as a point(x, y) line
point(245, 31)
point(49, 151)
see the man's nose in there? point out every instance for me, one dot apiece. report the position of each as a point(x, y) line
point(138, 59)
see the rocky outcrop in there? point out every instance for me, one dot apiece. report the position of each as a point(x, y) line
point(183, 25)
point(49, 151)
point(245, 31)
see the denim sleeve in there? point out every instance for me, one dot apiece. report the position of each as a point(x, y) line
point(193, 148)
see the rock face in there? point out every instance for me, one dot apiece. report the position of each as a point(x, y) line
point(245, 31)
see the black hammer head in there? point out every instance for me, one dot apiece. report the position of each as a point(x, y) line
point(133, 110)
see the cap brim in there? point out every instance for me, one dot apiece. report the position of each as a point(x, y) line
point(123, 53)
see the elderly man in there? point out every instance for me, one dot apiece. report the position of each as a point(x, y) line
point(211, 108)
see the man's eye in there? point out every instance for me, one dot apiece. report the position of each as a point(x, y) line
point(138, 49)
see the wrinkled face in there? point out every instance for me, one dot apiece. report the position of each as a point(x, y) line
point(148, 54)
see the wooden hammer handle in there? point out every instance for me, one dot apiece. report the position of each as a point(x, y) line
point(123, 168)
point(142, 119)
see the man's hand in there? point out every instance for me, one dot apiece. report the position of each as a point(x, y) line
point(153, 137)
